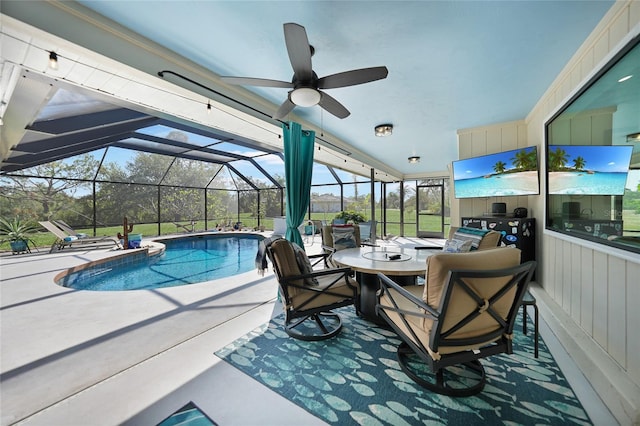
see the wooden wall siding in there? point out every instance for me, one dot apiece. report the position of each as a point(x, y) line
point(600, 292)
point(489, 140)
point(633, 320)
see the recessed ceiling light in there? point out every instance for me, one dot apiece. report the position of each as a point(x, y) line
point(383, 129)
point(633, 138)
point(625, 78)
point(414, 159)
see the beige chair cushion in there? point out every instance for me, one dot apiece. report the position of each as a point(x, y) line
point(461, 304)
point(340, 288)
point(284, 256)
point(439, 265)
point(285, 259)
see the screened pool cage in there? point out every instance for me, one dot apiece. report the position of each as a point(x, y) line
point(96, 190)
point(91, 164)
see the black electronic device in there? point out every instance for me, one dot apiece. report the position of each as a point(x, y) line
point(499, 209)
point(520, 212)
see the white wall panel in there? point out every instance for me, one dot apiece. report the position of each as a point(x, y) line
point(566, 276)
point(600, 298)
point(633, 320)
point(617, 326)
point(550, 265)
point(576, 282)
point(608, 293)
point(586, 290)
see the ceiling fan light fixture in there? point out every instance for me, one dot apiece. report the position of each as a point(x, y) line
point(305, 97)
point(383, 129)
point(413, 159)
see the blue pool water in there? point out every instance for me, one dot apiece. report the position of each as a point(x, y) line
point(186, 260)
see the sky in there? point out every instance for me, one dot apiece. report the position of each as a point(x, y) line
point(611, 158)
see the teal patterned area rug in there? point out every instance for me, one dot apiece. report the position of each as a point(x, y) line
point(355, 378)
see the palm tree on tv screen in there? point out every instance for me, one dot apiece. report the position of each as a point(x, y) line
point(579, 163)
point(524, 160)
point(557, 159)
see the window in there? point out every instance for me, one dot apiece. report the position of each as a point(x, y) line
point(593, 157)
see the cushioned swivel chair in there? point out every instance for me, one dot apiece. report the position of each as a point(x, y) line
point(330, 245)
point(309, 296)
point(466, 311)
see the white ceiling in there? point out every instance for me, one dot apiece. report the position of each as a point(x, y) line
point(452, 64)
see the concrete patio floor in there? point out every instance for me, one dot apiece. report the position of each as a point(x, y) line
point(104, 358)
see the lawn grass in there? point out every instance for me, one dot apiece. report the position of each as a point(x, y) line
point(46, 239)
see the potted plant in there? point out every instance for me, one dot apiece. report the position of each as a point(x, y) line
point(17, 233)
point(350, 216)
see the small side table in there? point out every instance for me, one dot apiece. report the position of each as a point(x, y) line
point(529, 300)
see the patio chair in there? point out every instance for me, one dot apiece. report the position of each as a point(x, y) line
point(63, 239)
point(309, 296)
point(68, 229)
point(367, 234)
point(308, 232)
point(189, 227)
point(466, 311)
point(338, 237)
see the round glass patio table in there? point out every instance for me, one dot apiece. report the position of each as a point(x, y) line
point(368, 261)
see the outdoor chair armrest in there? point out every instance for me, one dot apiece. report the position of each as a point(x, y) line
point(315, 259)
point(319, 273)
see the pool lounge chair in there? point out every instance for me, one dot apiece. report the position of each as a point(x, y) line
point(72, 241)
point(68, 229)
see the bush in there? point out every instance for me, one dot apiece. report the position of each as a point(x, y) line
point(350, 215)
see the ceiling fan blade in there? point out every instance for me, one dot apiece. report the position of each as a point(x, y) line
point(333, 106)
point(353, 77)
point(299, 50)
point(264, 82)
point(286, 107)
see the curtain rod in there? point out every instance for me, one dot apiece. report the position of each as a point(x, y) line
point(161, 74)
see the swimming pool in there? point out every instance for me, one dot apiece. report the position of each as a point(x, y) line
point(186, 260)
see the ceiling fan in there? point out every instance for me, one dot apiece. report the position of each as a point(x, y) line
point(305, 85)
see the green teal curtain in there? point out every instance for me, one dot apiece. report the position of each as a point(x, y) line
point(298, 168)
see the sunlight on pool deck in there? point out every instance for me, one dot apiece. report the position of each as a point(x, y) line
point(103, 358)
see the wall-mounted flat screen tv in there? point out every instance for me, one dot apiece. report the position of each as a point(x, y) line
point(502, 174)
point(588, 169)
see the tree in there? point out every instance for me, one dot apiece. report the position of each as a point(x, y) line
point(393, 200)
point(52, 192)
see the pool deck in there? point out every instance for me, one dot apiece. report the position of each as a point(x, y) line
point(73, 357)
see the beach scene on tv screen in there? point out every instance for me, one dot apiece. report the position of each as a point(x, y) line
point(588, 170)
point(497, 175)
